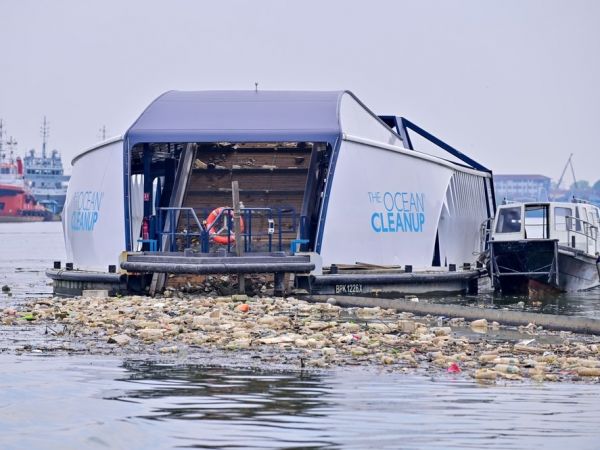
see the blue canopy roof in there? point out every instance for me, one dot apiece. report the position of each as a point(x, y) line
point(239, 116)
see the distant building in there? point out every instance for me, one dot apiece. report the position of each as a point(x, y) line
point(522, 188)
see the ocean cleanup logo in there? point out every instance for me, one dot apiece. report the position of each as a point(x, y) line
point(87, 210)
point(398, 212)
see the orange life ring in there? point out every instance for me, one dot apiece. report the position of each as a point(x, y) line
point(215, 235)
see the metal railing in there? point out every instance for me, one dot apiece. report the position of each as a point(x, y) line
point(581, 200)
point(274, 233)
point(485, 232)
point(181, 228)
point(576, 226)
point(169, 218)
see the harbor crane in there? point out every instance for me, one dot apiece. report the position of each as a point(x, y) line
point(562, 175)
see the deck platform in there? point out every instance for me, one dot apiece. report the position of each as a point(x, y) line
point(392, 283)
point(291, 273)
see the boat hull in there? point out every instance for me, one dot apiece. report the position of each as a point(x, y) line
point(18, 205)
point(526, 266)
point(577, 271)
point(14, 219)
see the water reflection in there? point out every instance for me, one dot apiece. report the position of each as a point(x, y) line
point(58, 403)
point(231, 408)
point(223, 408)
point(221, 394)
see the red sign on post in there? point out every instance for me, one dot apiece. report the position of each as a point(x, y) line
point(146, 196)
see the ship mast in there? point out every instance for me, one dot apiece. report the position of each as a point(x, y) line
point(44, 132)
point(11, 144)
point(1, 136)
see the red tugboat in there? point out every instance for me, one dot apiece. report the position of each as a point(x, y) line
point(16, 202)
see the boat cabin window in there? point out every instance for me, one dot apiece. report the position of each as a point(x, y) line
point(562, 219)
point(536, 222)
point(596, 217)
point(509, 220)
point(577, 222)
point(584, 215)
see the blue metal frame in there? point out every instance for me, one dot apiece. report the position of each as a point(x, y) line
point(395, 122)
point(402, 125)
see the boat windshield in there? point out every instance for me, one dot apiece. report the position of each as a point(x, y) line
point(509, 220)
point(536, 222)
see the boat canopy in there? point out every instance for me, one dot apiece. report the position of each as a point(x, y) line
point(239, 116)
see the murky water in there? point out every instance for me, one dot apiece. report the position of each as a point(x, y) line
point(82, 402)
point(57, 403)
point(28, 249)
point(584, 304)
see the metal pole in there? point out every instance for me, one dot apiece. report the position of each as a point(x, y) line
point(279, 228)
point(556, 274)
point(147, 160)
point(173, 230)
point(160, 229)
point(239, 249)
point(270, 235)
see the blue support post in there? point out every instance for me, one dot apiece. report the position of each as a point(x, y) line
point(270, 234)
point(249, 232)
point(159, 214)
point(147, 159)
point(279, 230)
point(172, 230)
point(204, 241)
point(187, 236)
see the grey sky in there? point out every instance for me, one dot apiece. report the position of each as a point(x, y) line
point(514, 84)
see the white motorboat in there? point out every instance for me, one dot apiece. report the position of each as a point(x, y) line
point(545, 245)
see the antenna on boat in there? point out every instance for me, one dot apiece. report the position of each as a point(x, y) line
point(11, 144)
point(102, 131)
point(44, 132)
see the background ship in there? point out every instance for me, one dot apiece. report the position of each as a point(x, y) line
point(17, 204)
point(45, 176)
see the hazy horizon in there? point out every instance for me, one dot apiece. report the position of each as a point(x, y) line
point(512, 84)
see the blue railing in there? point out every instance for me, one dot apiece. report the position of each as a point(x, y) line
point(166, 229)
point(181, 227)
